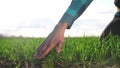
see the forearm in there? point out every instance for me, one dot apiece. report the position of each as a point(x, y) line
point(76, 8)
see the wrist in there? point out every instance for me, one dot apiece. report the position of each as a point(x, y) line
point(61, 26)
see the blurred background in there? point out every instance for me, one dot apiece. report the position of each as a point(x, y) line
point(37, 18)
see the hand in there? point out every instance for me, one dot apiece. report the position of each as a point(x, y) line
point(55, 38)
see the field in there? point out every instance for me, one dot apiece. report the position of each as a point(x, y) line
point(80, 52)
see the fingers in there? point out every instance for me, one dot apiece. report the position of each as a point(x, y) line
point(42, 46)
point(59, 47)
point(40, 49)
point(45, 49)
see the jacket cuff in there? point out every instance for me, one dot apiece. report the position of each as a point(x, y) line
point(67, 18)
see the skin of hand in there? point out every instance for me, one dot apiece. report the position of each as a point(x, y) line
point(55, 38)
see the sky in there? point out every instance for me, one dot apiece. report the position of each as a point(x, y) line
point(37, 18)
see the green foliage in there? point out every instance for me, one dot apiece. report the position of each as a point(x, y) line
point(18, 50)
point(84, 51)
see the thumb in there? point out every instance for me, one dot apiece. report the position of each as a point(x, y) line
point(59, 47)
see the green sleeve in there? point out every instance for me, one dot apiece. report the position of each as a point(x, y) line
point(76, 8)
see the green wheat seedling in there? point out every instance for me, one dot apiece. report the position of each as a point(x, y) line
point(76, 52)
